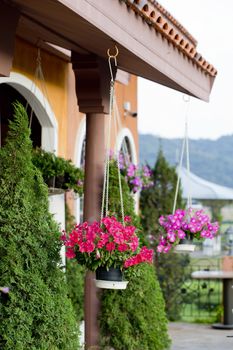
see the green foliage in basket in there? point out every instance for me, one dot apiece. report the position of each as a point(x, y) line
point(58, 172)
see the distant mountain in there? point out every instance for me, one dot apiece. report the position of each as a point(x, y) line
point(211, 160)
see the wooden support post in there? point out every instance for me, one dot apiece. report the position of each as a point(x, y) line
point(92, 89)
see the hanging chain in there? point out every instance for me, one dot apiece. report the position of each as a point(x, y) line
point(105, 194)
point(106, 167)
point(186, 99)
point(189, 199)
point(118, 166)
point(185, 147)
point(124, 147)
point(39, 78)
point(178, 177)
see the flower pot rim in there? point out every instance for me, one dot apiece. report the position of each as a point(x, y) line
point(54, 190)
point(111, 284)
point(112, 274)
point(185, 247)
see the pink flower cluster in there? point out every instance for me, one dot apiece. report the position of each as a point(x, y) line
point(104, 243)
point(5, 290)
point(185, 224)
point(145, 255)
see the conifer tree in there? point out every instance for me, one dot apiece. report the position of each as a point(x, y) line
point(159, 199)
point(114, 202)
point(37, 314)
point(134, 318)
point(75, 275)
point(154, 202)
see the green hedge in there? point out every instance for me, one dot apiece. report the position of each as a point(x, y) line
point(37, 313)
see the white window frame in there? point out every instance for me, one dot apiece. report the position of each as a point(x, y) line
point(125, 132)
point(80, 137)
point(41, 107)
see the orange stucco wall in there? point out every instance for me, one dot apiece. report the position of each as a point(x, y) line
point(55, 71)
point(60, 87)
point(128, 93)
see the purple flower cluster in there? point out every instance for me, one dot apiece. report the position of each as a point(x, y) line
point(5, 290)
point(137, 178)
point(185, 224)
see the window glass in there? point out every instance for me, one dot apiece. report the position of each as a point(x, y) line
point(9, 95)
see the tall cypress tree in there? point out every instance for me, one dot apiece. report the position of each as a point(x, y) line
point(159, 199)
point(134, 318)
point(37, 313)
point(154, 202)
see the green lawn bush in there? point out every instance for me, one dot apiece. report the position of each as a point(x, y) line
point(37, 313)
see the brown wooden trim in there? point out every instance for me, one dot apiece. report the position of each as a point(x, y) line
point(9, 17)
point(92, 77)
point(95, 26)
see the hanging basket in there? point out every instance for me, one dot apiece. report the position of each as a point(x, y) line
point(185, 245)
point(110, 278)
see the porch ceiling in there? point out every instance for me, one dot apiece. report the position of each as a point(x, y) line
point(90, 26)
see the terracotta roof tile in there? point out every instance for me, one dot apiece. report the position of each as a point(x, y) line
point(157, 16)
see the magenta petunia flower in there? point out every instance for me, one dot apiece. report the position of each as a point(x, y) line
point(182, 224)
point(110, 246)
point(5, 290)
point(70, 254)
point(105, 243)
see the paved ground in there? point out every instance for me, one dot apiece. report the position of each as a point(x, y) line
point(186, 336)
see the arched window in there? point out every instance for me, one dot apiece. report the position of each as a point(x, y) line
point(126, 150)
point(82, 157)
point(80, 148)
point(9, 95)
point(125, 144)
point(44, 124)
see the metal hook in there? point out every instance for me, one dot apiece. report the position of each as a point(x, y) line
point(114, 57)
point(186, 98)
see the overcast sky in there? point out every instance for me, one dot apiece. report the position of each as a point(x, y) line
point(161, 110)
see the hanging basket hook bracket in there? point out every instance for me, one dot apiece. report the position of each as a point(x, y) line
point(186, 98)
point(114, 58)
point(115, 55)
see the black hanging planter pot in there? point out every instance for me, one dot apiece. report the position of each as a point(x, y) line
point(55, 185)
point(60, 181)
point(50, 182)
point(110, 278)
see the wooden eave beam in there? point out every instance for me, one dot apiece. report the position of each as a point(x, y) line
point(94, 26)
